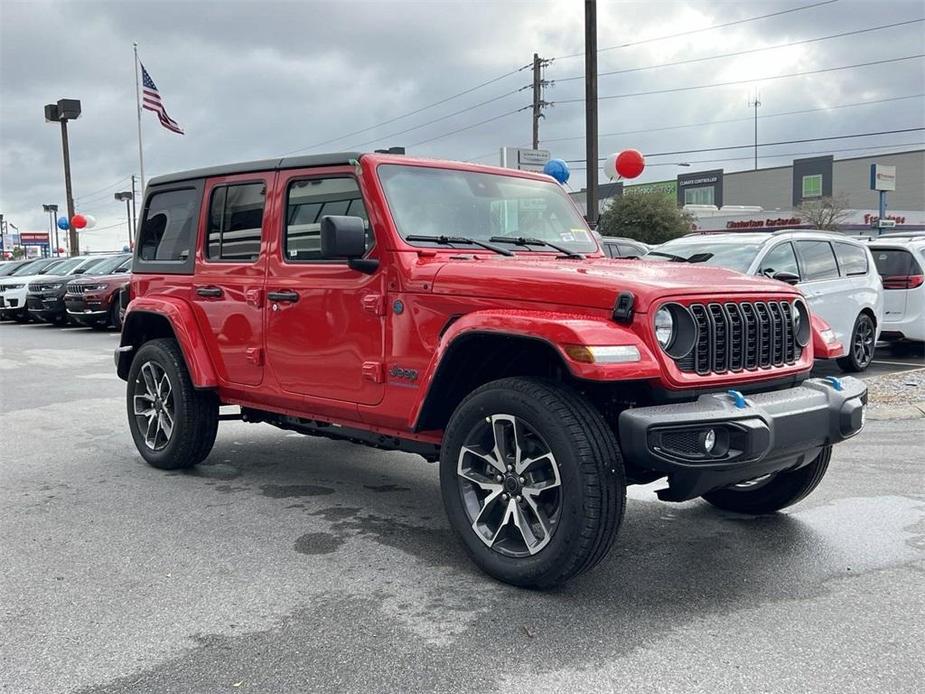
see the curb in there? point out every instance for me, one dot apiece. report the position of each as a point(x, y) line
point(904, 412)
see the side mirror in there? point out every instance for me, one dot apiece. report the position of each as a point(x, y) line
point(345, 237)
point(787, 277)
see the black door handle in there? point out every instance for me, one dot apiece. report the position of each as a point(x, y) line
point(209, 291)
point(285, 295)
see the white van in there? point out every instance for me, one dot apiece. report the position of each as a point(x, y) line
point(900, 261)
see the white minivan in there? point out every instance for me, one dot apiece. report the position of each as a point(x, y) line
point(900, 261)
point(836, 274)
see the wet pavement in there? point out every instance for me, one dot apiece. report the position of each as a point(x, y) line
point(295, 564)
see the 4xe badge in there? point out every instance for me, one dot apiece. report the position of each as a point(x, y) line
point(406, 376)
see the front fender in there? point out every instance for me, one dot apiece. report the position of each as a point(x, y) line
point(556, 330)
point(144, 319)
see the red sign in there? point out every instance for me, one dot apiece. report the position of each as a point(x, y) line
point(33, 238)
point(764, 223)
point(872, 218)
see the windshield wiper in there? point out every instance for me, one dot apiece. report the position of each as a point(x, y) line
point(450, 240)
point(695, 258)
point(523, 241)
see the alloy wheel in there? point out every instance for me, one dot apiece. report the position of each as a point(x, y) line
point(153, 405)
point(510, 485)
point(863, 346)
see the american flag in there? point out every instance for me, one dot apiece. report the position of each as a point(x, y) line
point(151, 100)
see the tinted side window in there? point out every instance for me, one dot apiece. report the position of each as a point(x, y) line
point(817, 260)
point(610, 250)
point(168, 231)
point(852, 260)
point(626, 250)
point(780, 259)
point(236, 222)
point(894, 261)
point(307, 202)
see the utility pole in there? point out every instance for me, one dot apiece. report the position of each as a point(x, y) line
point(134, 215)
point(538, 103)
point(128, 197)
point(2, 234)
point(591, 107)
point(756, 103)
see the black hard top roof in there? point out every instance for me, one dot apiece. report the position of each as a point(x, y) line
point(261, 165)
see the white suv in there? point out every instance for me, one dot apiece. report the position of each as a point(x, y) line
point(900, 261)
point(13, 289)
point(836, 274)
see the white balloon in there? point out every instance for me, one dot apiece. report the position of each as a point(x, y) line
point(610, 167)
point(91, 220)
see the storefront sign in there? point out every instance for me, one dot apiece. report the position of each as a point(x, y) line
point(667, 188)
point(34, 238)
point(764, 223)
point(882, 177)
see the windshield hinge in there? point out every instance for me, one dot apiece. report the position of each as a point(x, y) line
point(623, 307)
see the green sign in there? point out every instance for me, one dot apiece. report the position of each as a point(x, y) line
point(667, 188)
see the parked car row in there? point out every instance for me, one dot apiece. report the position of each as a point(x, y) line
point(84, 290)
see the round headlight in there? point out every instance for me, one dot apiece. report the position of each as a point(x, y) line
point(664, 327)
point(802, 329)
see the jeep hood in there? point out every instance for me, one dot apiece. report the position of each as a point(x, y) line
point(593, 282)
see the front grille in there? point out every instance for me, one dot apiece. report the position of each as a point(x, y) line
point(741, 336)
point(75, 288)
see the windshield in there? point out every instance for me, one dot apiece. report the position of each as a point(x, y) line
point(9, 268)
point(734, 256)
point(107, 265)
point(35, 267)
point(64, 267)
point(448, 202)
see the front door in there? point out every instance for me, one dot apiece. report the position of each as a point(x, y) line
point(325, 322)
point(230, 273)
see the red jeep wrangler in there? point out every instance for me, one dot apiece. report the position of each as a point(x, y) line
point(466, 313)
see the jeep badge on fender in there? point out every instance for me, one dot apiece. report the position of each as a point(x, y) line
point(546, 377)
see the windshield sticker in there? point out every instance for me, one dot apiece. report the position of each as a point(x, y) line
point(567, 236)
point(579, 235)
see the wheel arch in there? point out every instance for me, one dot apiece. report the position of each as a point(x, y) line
point(147, 320)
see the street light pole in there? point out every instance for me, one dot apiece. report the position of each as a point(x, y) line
point(129, 198)
point(52, 211)
point(134, 217)
point(62, 112)
point(591, 108)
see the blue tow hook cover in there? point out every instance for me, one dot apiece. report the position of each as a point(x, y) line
point(834, 382)
point(737, 398)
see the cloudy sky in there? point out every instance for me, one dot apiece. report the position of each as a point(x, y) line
point(251, 80)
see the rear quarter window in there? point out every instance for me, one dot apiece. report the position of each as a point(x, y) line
point(891, 262)
point(852, 260)
point(168, 232)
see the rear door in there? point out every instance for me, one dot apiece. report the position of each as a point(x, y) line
point(230, 271)
point(895, 263)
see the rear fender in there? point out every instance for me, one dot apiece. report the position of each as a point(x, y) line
point(152, 317)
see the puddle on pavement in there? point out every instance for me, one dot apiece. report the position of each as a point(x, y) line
point(290, 491)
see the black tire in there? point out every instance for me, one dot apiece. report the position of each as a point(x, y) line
point(861, 347)
point(779, 491)
point(115, 315)
point(591, 495)
point(194, 412)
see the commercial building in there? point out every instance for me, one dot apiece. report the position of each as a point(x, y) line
point(770, 198)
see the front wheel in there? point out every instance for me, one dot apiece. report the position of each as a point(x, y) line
point(772, 492)
point(862, 345)
point(532, 481)
point(172, 423)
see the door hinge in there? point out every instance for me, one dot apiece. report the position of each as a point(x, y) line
point(374, 304)
point(372, 371)
point(254, 355)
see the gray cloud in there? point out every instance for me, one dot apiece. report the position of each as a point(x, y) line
point(252, 80)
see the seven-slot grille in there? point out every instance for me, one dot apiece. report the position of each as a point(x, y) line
point(75, 288)
point(746, 335)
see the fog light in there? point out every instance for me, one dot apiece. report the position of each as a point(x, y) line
point(709, 440)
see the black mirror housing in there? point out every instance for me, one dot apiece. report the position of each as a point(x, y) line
point(787, 277)
point(342, 237)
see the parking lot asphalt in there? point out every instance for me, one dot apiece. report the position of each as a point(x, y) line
point(288, 563)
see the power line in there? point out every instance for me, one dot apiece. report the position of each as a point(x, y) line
point(437, 120)
point(411, 113)
point(770, 144)
point(747, 51)
point(697, 31)
point(739, 120)
point(748, 81)
point(469, 127)
point(781, 155)
point(106, 188)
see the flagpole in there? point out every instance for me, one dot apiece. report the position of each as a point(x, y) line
point(141, 156)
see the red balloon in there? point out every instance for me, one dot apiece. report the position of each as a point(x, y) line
point(630, 163)
point(78, 221)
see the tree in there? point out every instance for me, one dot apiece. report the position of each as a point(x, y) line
point(825, 213)
point(646, 217)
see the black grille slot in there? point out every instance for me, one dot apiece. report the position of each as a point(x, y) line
point(741, 336)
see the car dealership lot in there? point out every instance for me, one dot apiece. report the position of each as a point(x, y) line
point(287, 563)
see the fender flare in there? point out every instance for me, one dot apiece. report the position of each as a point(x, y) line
point(555, 330)
point(179, 315)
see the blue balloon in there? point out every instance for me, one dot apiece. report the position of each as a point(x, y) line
point(558, 169)
point(62, 223)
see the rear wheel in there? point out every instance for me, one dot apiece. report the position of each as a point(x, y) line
point(532, 480)
point(173, 424)
point(115, 315)
point(773, 492)
point(861, 348)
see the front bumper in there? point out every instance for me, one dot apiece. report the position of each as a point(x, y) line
point(751, 436)
point(46, 306)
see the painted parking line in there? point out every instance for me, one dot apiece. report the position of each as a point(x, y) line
point(919, 365)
